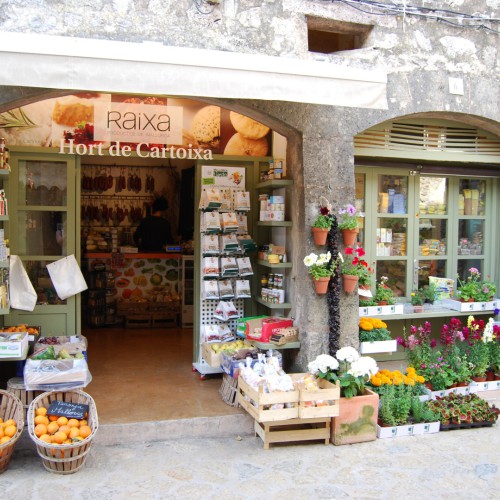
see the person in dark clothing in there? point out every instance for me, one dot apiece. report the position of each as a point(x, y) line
point(154, 232)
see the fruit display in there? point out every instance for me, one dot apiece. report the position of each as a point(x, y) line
point(59, 430)
point(50, 353)
point(8, 430)
point(230, 347)
point(21, 328)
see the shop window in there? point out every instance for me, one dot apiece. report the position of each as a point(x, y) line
point(325, 36)
point(417, 226)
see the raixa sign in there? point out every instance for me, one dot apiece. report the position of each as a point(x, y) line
point(129, 122)
point(143, 150)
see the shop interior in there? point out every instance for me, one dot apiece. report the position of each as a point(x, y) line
point(136, 355)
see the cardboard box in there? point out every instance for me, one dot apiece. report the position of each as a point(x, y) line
point(13, 345)
point(268, 327)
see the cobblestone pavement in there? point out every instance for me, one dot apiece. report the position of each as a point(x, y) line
point(448, 465)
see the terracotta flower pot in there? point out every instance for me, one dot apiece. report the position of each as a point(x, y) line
point(349, 236)
point(479, 379)
point(382, 302)
point(428, 385)
point(497, 376)
point(319, 235)
point(357, 420)
point(321, 285)
point(462, 384)
point(418, 309)
point(349, 282)
point(490, 375)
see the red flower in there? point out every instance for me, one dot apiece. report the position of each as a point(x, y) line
point(349, 251)
point(360, 251)
point(324, 211)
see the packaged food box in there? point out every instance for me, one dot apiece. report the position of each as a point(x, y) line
point(13, 344)
point(261, 330)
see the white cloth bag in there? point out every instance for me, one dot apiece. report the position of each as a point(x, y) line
point(21, 292)
point(66, 277)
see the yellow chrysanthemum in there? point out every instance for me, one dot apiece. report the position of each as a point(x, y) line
point(420, 379)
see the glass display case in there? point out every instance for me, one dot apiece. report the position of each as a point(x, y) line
point(392, 194)
point(472, 197)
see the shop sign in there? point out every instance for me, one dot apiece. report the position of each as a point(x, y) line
point(127, 122)
point(223, 176)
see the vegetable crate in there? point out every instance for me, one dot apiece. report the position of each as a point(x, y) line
point(293, 430)
point(63, 458)
point(325, 402)
point(10, 408)
point(229, 390)
point(16, 386)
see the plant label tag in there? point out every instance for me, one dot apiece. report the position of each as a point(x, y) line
point(69, 410)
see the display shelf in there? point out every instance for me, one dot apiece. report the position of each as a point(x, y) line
point(281, 265)
point(274, 184)
point(273, 223)
point(270, 305)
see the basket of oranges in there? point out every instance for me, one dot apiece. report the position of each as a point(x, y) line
point(11, 426)
point(62, 442)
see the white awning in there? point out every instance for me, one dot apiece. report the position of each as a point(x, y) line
point(152, 68)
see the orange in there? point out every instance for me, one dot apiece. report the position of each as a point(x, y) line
point(68, 441)
point(41, 419)
point(53, 418)
point(83, 422)
point(10, 430)
point(1, 431)
point(52, 428)
point(40, 429)
point(45, 438)
point(10, 422)
point(62, 421)
point(65, 428)
point(1, 420)
point(41, 411)
point(78, 438)
point(4, 439)
point(85, 431)
point(73, 422)
point(74, 432)
point(60, 437)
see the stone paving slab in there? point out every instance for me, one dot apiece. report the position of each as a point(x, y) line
point(448, 465)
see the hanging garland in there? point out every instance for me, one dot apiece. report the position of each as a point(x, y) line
point(333, 294)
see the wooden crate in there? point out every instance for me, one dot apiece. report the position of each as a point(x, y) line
point(229, 390)
point(294, 430)
point(16, 386)
point(125, 307)
point(259, 404)
point(324, 402)
point(164, 320)
point(138, 321)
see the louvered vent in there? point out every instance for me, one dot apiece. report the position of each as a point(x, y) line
point(432, 138)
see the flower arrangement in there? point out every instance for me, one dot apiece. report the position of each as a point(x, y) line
point(348, 367)
point(373, 330)
point(417, 298)
point(479, 336)
point(325, 217)
point(348, 217)
point(320, 266)
point(397, 377)
point(474, 289)
point(383, 293)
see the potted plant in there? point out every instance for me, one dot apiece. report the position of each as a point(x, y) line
point(479, 336)
point(402, 413)
point(459, 410)
point(453, 339)
point(383, 294)
point(357, 421)
point(321, 268)
point(417, 301)
point(348, 223)
point(469, 288)
point(375, 337)
point(494, 352)
point(353, 267)
point(323, 222)
point(429, 293)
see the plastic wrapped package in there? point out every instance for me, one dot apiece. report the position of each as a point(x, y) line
point(56, 374)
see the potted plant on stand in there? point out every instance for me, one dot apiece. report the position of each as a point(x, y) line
point(353, 267)
point(384, 296)
point(375, 337)
point(357, 421)
point(323, 222)
point(321, 268)
point(348, 224)
point(469, 288)
point(417, 301)
point(478, 339)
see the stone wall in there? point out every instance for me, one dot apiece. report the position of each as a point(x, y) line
point(418, 53)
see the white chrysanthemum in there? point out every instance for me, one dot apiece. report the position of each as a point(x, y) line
point(323, 363)
point(348, 354)
point(488, 331)
point(310, 259)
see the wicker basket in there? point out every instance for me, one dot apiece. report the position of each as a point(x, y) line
point(10, 408)
point(63, 458)
point(16, 386)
